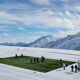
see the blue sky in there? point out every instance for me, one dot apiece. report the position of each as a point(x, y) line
point(27, 20)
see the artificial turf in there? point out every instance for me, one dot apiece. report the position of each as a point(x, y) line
point(24, 62)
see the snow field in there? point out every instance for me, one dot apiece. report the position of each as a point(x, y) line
point(13, 73)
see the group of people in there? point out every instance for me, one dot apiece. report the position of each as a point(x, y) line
point(65, 65)
point(36, 60)
point(74, 68)
point(16, 56)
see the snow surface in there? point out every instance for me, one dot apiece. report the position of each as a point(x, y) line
point(14, 73)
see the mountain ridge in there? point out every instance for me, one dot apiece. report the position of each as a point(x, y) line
point(71, 42)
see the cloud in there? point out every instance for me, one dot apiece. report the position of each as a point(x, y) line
point(68, 13)
point(3, 28)
point(43, 17)
point(65, 1)
point(11, 39)
point(40, 33)
point(47, 19)
point(14, 7)
point(5, 35)
point(78, 8)
point(20, 28)
point(62, 14)
point(6, 18)
point(27, 39)
point(41, 2)
point(62, 34)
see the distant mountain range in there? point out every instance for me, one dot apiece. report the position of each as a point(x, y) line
point(40, 42)
point(71, 42)
point(15, 44)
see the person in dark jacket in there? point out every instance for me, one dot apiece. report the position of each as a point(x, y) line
point(61, 61)
point(31, 60)
point(16, 55)
point(76, 68)
point(37, 60)
point(34, 60)
point(66, 65)
point(43, 59)
point(72, 68)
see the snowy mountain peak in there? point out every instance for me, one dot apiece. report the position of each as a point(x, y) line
point(42, 41)
point(71, 42)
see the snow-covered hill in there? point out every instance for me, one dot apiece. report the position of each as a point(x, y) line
point(42, 41)
point(71, 42)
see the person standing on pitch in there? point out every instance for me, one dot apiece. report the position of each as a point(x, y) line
point(76, 68)
point(64, 66)
point(72, 68)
